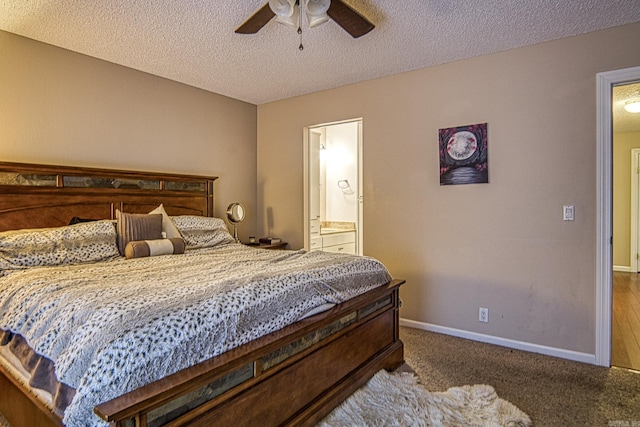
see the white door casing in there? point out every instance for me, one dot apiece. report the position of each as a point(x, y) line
point(604, 165)
point(635, 164)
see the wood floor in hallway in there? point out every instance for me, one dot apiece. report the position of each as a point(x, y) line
point(625, 333)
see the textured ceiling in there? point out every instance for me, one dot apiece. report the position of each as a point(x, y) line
point(193, 41)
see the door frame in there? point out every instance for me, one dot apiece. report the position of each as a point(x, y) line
point(635, 165)
point(305, 181)
point(360, 234)
point(604, 189)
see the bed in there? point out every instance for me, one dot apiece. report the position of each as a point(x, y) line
point(292, 370)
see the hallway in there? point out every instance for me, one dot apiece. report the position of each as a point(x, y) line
point(625, 334)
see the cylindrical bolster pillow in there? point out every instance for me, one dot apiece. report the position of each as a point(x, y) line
point(143, 248)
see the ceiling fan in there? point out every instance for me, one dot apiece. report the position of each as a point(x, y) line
point(317, 11)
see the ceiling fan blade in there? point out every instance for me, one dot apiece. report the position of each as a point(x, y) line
point(256, 21)
point(349, 19)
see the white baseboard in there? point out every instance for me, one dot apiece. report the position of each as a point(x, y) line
point(504, 342)
point(622, 268)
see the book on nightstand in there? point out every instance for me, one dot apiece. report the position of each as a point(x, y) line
point(270, 240)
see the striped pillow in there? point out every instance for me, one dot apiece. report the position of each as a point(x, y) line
point(132, 227)
point(145, 248)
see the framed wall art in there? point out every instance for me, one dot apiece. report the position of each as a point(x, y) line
point(463, 155)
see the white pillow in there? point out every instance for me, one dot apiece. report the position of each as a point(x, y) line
point(168, 227)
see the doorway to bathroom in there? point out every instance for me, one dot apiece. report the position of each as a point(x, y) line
point(333, 203)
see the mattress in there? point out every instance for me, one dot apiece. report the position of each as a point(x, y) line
point(110, 327)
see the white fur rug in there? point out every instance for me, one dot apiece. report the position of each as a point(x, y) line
point(396, 399)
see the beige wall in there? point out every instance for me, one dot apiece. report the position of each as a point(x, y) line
point(623, 143)
point(61, 107)
point(501, 245)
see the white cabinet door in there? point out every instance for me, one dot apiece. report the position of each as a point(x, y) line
point(338, 238)
point(340, 242)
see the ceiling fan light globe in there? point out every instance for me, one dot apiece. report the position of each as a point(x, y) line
point(316, 11)
point(283, 8)
point(317, 7)
point(293, 20)
point(633, 106)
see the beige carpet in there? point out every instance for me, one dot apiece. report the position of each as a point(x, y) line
point(552, 391)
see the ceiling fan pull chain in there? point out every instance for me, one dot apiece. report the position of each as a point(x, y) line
point(301, 47)
point(300, 3)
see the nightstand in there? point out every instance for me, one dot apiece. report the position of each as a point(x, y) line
point(281, 245)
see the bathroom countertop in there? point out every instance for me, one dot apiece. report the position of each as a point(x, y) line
point(332, 227)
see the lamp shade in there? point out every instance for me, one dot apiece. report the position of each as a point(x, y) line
point(632, 106)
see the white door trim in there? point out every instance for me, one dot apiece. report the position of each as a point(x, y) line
point(360, 194)
point(635, 164)
point(305, 183)
point(604, 163)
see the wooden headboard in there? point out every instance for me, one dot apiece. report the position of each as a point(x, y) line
point(37, 196)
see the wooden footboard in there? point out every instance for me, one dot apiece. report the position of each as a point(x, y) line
point(295, 376)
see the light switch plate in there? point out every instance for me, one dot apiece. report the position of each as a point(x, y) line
point(568, 213)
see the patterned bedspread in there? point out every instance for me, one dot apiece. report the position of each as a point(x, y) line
point(111, 327)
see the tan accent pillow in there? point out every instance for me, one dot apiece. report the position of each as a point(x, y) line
point(168, 226)
point(144, 248)
point(133, 227)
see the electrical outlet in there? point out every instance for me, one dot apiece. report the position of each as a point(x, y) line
point(568, 212)
point(483, 315)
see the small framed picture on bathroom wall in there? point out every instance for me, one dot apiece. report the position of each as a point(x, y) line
point(463, 155)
